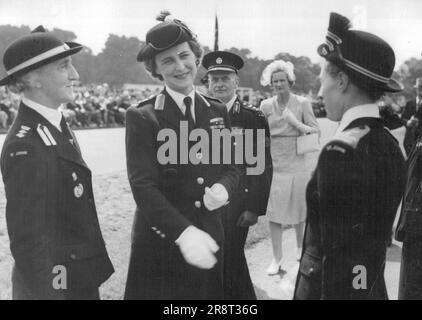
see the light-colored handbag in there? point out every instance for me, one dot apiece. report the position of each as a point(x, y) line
point(308, 143)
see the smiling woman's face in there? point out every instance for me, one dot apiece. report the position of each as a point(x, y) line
point(178, 67)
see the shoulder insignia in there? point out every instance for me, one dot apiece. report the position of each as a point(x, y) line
point(352, 137)
point(255, 111)
point(45, 135)
point(236, 107)
point(335, 148)
point(206, 98)
point(159, 102)
point(23, 131)
point(203, 97)
point(146, 101)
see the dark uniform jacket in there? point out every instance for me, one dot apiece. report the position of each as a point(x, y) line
point(251, 195)
point(51, 215)
point(352, 200)
point(410, 222)
point(169, 199)
point(409, 229)
point(253, 190)
point(412, 134)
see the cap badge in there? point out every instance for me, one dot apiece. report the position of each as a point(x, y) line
point(219, 61)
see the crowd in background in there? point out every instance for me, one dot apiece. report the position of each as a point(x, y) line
point(100, 106)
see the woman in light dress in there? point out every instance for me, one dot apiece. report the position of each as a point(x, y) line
point(288, 116)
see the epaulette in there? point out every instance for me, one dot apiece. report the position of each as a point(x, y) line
point(206, 98)
point(146, 101)
point(256, 111)
point(350, 137)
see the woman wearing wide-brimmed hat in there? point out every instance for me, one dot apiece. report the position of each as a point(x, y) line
point(353, 196)
point(177, 234)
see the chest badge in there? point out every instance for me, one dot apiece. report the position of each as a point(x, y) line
point(237, 130)
point(78, 191)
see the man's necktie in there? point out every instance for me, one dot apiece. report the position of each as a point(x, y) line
point(188, 113)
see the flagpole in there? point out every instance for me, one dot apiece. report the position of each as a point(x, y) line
point(216, 33)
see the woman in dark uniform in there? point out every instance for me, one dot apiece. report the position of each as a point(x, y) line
point(177, 234)
point(353, 196)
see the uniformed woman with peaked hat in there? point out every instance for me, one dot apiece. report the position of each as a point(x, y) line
point(177, 234)
point(353, 196)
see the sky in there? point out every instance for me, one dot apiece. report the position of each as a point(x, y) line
point(266, 27)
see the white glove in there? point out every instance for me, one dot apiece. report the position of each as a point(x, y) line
point(291, 119)
point(198, 248)
point(215, 197)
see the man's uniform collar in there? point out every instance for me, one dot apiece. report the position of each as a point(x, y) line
point(230, 104)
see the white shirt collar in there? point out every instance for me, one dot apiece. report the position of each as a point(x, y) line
point(53, 116)
point(230, 104)
point(178, 98)
point(362, 111)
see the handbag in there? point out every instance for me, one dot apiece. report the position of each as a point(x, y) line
point(307, 143)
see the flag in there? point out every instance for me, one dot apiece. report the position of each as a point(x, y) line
point(216, 34)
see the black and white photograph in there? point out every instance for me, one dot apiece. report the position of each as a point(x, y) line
point(230, 152)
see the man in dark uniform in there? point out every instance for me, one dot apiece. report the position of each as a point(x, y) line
point(353, 196)
point(250, 199)
point(412, 118)
point(409, 229)
point(55, 237)
point(177, 235)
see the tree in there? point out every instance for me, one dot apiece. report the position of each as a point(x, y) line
point(117, 64)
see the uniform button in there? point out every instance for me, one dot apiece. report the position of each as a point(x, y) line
point(246, 190)
point(162, 236)
point(73, 256)
point(154, 228)
point(199, 156)
point(200, 180)
point(198, 204)
point(311, 270)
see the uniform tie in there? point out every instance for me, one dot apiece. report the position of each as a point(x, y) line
point(66, 131)
point(188, 114)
